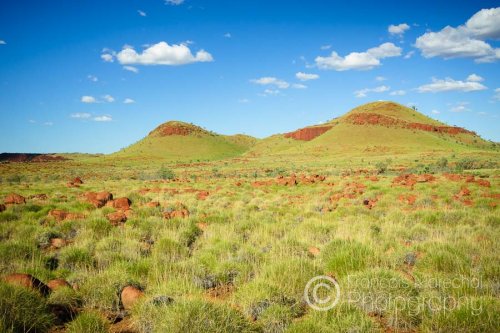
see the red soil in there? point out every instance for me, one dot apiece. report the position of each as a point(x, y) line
point(169, 129)
point(308, 133)
point(378, 119)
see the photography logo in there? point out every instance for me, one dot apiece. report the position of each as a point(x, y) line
point(322, 293)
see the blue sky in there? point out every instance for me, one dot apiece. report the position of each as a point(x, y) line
point(96, 76)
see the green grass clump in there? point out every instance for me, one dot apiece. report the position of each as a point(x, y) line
point(23, 310)
point(88, 322)
point(185, 316)
point(342, 318)
point(480, 315)
point(342, 257)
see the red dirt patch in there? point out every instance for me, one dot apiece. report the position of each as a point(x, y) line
point(117, 218)
point(381, 120)
point(61, 215)
point(307, 133)
point(129, 296)
point(27, 281)
point(409, 198)
point(14, 199)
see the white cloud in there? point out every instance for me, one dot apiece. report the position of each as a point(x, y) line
point(306, 77)
point(141, 13)
point(448, 84)
point(268, 92)
point(485, 23)
point(380, 78)
point(409, 55)
point(31, 121)
point(497, 94)
point(103, 118)
point(174, 2)
point(227, 35)
point(364, 92)
point(108, 98)
point(92, 78)
point(460, 107)
point(474, 78)
point(358, 60)
point(2, 42)
point(107, 57)
point(88, 99)
point(299, 86)
point(131, 69)
point(435, 111)
point(162, 54)
point(81, 115)
point(48, 123)
point(243, 100)
point(128, 101)
point(270, 80)
point(397, 93)
point(465, 41)
point(325, 47)
point(398, 29)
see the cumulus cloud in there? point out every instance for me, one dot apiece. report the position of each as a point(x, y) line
point(397, 93)
point(474, 78)
point(299, 86)
point(358, 60)
point(485, 23)
point(364, 92)
point(398, 29)
point(271, 92)
point(325, 47)
point(141, 13)
point(81, 115)
point(270, 80)
point(108, 98)
point(107, 57)
point(174, 2)
point(162, 54)
point(306, 77)
point(409, 55)
point(128, 101)
point(380, 78)
point(465, 41)
point(2, 42)
point(460, 107)
point(131, 69)
point(88, 99)
point(449, 84)
point(497, 94)
point(102, 118)
point(92, 78)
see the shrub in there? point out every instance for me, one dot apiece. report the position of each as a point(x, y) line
point(165, 173)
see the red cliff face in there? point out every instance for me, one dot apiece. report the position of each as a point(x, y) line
point(308, 133)
point(378, 119)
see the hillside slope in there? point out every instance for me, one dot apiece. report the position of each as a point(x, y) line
point(379, 128)
point(179, 141)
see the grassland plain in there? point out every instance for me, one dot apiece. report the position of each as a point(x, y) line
point(228, 245)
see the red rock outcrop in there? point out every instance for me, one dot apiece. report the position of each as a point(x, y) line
point(308, 133)
point(379, 119)
point(27, 281)
point(129, 296)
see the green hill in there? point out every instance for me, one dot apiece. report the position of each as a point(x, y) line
point(179, 141)
point(373, 128)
